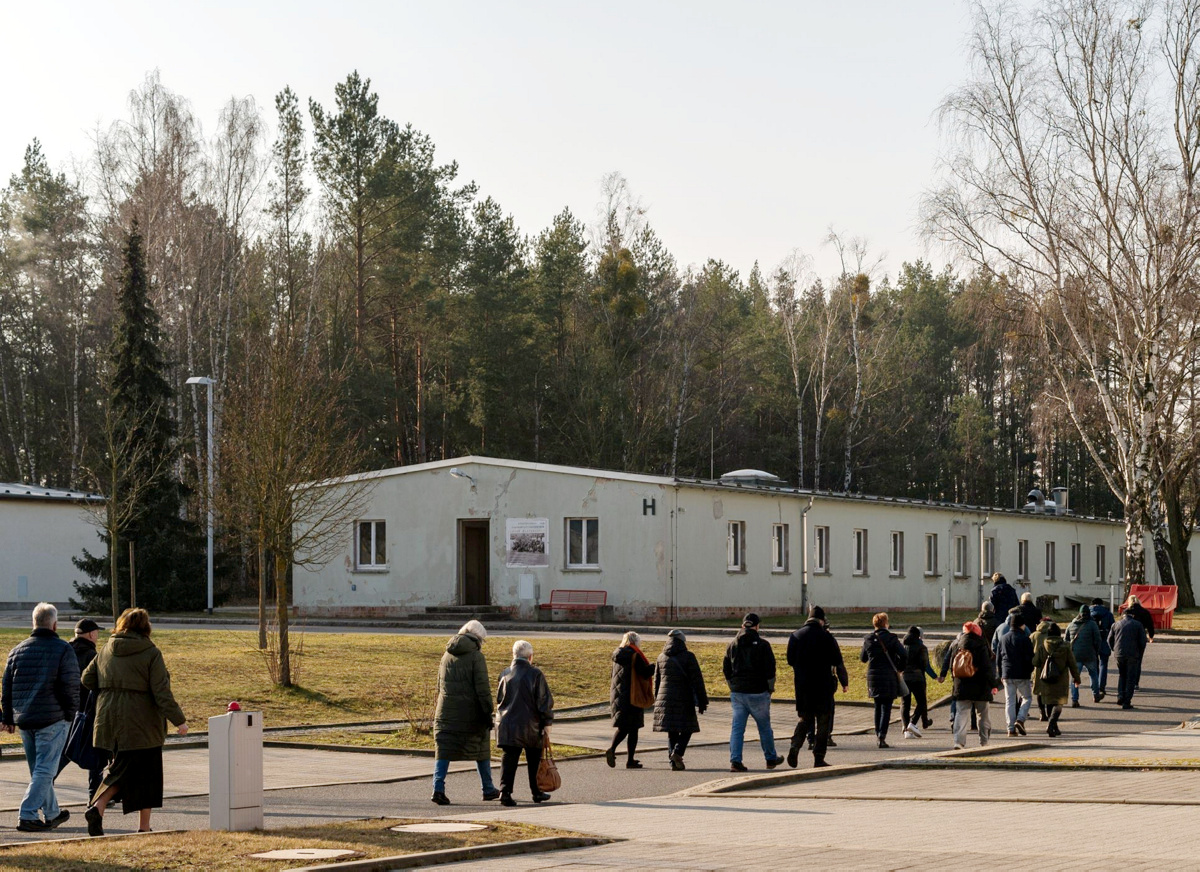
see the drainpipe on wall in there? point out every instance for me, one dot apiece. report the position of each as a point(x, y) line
point(982, 524)
point(673, 544)
point(804, 556)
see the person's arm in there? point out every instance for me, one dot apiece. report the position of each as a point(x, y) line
point(769, 665)
point(160, 689)
point(545, 701)
point(643, 666)
point(483, 692)
point(727, 664)
point(864, 655)
point(1073, 665)
point(66, 684)
point(6, 700)
point(696, 679)
point(928, 668)
point(839, 664)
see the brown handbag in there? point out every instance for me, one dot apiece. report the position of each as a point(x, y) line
point(548, 778)
point(641, 690)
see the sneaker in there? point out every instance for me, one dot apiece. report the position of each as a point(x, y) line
point(793, 757)
point(1012, 734)
point(34, 826)
point(909, 734)
point(610, 757)
point(957, 747)
point(915, 730)
point(438, 797)
point(506, 799)
point(677, 763)
point(62, 817)
point(737, 766)
point(773, 762)
point(489, 795)
point(1020, 725)
point(95, 821)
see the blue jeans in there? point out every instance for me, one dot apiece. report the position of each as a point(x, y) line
point(1104, 673)
point(43, 748)
point(442, 767)
point(745, 706)
point(1017, 697)
point(1093, 670)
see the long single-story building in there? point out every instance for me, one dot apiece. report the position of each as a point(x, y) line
point(477, 531)
point(41, 529)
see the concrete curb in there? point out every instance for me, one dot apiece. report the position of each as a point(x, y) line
point(461, 855)
point(7, 845)
point(724, 786)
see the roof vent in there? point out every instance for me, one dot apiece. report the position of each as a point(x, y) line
point(751, 478)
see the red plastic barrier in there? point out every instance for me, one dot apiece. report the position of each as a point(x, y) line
point(1160, 601)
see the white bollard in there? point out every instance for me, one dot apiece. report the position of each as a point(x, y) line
point(235, 771)
point(943, 605)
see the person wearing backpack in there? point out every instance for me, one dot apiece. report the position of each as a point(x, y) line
point(885, 659)
point(1083, 635)
point(1054, 668)
point(916, 667)
point(749, 669)
point(1039, 633)
point(1014, 662)
point(970, 664)
point(630, 695)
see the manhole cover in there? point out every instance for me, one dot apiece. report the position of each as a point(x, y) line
point(438, 828)
point(305, 854)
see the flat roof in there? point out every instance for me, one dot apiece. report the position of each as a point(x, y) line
point(14, 491)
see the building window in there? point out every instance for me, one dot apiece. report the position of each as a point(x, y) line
point(779, 547)
point(372, 544)
point(1049, 561)
point(1099, 563)
point(960, 556)
point(1023, 559)
point(1076, 561)
point(583, 543)
point(989, 556)
point(897, 567)
point(931, 554)
point(860, 552)
point(821, 558)
point(736, 546)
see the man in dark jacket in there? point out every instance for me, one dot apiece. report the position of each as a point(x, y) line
point(1128, 639)
point(816, 661)
point(988, 621)
point(973, 691)
point(87, 634)
point(750, 673)
point(526, 709)
point(1083, 635)
point(1104, 620)
point(39, 697)
point(1030, 611)
point(1003, 596)
point(1134, 606)
point(1014, 661)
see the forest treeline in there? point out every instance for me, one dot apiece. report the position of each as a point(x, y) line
point(346, 237)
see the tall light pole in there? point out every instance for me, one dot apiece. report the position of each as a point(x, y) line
point(208, 500)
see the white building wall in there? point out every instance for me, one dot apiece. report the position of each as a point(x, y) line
point(38, 538)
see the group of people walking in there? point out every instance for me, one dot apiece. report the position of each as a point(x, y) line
point(124, 693)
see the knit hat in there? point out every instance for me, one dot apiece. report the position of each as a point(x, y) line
point(1085, 611)
point(677, 634)
point(751, 620)
point(817, 612)
point(475, 628)
point(972, 627)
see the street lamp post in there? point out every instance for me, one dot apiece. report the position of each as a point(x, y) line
point(208, 382)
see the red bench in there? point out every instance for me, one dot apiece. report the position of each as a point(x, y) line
point(576, 600)
point(1160, 601)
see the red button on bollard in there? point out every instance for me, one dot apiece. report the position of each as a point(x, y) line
point(234, 707)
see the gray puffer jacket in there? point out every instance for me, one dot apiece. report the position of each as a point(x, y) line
point(41, 682)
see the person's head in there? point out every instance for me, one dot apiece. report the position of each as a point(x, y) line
point(750, 622)
point(45, 617)
point(997, 578)
point(133, 621)
point(989, 609)
point(816, 613)
point(1027, 597)
point(1053, 630)
point(676, 634)
point(880, 621)
point(972, 628)
point(631, 638)
point(913, 635)
point(1085, 611)
point(1097, 601)
point(522, 650)
point(87, 629)
point(1133, 601)
point(1015, 619)
point(475, 629)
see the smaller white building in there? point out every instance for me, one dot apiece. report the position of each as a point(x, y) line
point(477, 531)
point(41, 529)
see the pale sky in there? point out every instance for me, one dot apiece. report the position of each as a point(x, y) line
point(747, 129)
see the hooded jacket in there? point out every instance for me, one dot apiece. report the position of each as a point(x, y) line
point(1014, 652)
point(1054, 692)
point(135, 699)
point(1127, 638)
point(1144, 617)
point(916, 660)
point(978, 687)
point(1003, 597)
point(817, 666)
point(678, 689)
point(1031, 613)
point(526, 706)
point(1083, 635)
point(463, 718)
point(988, 622)
point(749, 664)
point(41, 682)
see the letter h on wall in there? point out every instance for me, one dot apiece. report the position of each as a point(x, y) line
point(648, 506)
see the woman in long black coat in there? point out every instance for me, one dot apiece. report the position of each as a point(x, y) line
point(678, 692)
point(885, 659)
point(627, 718)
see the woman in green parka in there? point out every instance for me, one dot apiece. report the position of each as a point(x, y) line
point(463, 721)
point(1052, 654)
point(132, 711)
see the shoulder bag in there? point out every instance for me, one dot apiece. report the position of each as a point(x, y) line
point(548, 778)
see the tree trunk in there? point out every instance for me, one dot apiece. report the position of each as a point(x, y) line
point(1180, 535)
point(281, 614)
point(132, 578)
point(112, 567)
point(262, 598)
point(1135, 548)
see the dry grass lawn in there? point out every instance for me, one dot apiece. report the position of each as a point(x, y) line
point(201, 850)
point(404, 738)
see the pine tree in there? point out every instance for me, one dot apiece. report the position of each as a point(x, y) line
point(145, 497)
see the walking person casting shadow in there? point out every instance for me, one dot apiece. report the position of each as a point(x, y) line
point(630, 694)
point(885, 659)
point(526, 711)
point(678, 693)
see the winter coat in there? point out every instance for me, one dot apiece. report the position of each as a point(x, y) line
point(41, 682)
point(678, 690)
point(988, 624)
point(916, 661)
point(1003, 597)
point(1031, 613)
point(1014, 653)
point(1054, 692)
point(1104, 620)
point(462, 722)
point(135, 699)
point(526, 706)
point(884, 656)
point(627, 660)
point(979, 686)
point(749, 665)
point(85, 651)
point(1127, 638)
point(1083, 635)
point(817, 667)
point(1039, 633)
point(1143, 615)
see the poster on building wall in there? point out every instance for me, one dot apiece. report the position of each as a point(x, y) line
point(527, 541)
